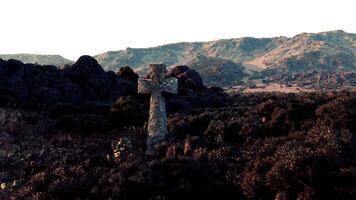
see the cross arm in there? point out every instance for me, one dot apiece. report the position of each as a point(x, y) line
point(170, 85)
point(144, 86)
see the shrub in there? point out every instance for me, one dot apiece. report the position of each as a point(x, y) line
point(82, 123)
point(127, 110)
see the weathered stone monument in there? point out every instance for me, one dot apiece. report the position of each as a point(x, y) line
point(157, 85)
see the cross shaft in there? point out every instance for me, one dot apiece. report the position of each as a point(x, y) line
point(156, 85)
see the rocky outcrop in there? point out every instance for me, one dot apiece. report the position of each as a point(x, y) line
point(186, 75)
point(38, 86)
point(87, 71)
point(85, 80)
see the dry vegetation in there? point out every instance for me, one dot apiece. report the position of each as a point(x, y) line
point(254, 146)
point(76, 143)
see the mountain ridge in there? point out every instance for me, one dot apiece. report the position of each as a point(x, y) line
point(305, 52)
point(234, 59)
point(248, 47)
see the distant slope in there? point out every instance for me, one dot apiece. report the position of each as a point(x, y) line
point(334, 50)
point(217, 71)
point(235, 50)
point(325, 51)
point(56, 60)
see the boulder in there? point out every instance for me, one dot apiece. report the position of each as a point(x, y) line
point(176, 70)
point(186, 76)
point(128, 74)
point(87, 71)
point(191, 75)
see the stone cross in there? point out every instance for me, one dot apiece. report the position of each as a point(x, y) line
point(157, 121)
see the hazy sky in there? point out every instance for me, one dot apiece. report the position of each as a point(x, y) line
point(76, 27)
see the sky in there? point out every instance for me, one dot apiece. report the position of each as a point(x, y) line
point(89, 27)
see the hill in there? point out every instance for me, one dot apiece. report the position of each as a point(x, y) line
point(237, 50)
point(56, 60)
point(325, 51)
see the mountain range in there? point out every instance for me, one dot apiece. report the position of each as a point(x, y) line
point(229, 62)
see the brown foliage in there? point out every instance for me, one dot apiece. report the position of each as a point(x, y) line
point(255, 146)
